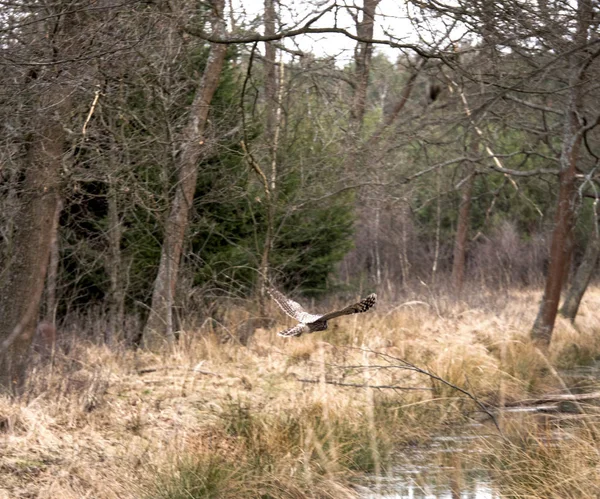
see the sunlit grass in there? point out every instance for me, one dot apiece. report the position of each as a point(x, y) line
point(301, 417)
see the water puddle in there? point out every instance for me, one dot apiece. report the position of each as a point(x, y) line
point(448, 468)
point(454, 466)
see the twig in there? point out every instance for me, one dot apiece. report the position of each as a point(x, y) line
point(90, 114)
point(362, 385)
point(407, 365)
point(167, 368)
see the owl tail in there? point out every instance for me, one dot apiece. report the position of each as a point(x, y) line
point(297, 330)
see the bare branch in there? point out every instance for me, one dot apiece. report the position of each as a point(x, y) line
point(412, 367)
point(362, 385)
point(306, 30)
point(533, 105)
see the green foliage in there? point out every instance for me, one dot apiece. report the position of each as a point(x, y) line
point(228, 235)
point(526, 201)
point(228, 225)
point(314, 240)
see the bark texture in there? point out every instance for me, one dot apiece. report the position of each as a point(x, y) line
point(159, 324)
point(271, 107)
point(21, 291)
point(462, 233)
point(582, 277)
point(564, 221)
point(52, 279)
point(560, 246)
point(363, 54)
point(114, 267)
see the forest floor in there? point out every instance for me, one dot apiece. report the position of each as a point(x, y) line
point(292, 417)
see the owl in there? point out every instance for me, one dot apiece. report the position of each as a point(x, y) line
point(309, 323)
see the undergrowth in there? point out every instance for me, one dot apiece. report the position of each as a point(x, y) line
point(304, 417)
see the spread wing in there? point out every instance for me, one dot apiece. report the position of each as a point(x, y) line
point(290, 307)
point(358, 308)
point(297, 330)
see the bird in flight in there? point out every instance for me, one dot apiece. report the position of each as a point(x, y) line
point(309, 323)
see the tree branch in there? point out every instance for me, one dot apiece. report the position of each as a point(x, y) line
point(412, 367)
point(305, 30)
point(362, 385)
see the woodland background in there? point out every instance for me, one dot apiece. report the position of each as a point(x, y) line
point(164, 161)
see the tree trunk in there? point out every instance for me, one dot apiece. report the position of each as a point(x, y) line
point(462, 232)
point(438, 226)
point(562, 236)
point(560, 247)
point(114, 266)
point(404, 262)
point(272, 105)
point(159, 325)
point(51, 281)
point(362, 59)
point(582, 276)
point(21, 291)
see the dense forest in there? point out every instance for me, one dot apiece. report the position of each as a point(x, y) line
point(163, 160)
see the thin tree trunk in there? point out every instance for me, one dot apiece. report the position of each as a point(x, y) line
point(376, 252)
point(51, 280)
point(404, 263)
point(438, 226)
point(21, 292)
point(363, 54)
point(562, 236)
point(159, 325)
point(462, 233)
point(582, 276)
point(272, 105)
point(115, 265)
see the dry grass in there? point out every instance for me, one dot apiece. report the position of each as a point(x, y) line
point(220, 420)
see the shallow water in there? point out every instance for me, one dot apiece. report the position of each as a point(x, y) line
point(479, 490)
point(453, 466)
point(447, 469)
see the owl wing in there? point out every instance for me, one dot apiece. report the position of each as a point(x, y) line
point(290, 307)
point(357, 308)
point(297, 330)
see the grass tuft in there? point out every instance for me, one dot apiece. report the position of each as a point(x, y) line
point(304, 417)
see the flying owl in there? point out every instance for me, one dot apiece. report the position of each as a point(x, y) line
point(309, 323)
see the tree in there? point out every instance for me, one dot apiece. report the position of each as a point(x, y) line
point(49, 104)
point(160, 321)
point(522, 43)
point(583, 275)
point(462, 232)
point(561, 246)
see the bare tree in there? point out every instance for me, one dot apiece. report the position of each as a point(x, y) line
point(160, 320)
point(562, 236)
point(35, 223)
point(583, 275)
point(363, 54)
point(272, 114)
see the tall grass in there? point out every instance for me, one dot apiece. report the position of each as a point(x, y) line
point(304, 417)
point(307, 451)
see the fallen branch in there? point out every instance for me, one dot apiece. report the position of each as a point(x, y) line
point(561, 397)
